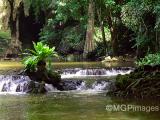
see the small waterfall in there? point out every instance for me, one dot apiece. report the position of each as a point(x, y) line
point(18, 83)
point(22, 84)
point(95, 86)
point(78, 72)
point(82, 86)
point(13, 83)
point(92, 72)
point(50, 88)
point(102, 85)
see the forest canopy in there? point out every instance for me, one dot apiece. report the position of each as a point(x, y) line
point(92, 27)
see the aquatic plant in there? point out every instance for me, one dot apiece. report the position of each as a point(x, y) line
point(41, 52)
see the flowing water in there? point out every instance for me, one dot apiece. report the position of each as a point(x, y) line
point(87, 101)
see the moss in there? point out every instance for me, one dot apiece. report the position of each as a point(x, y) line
point(122, 81)
point(4, 41)
point(138, 84)
point(55, 76)
point(5, 34)
point(137, 75)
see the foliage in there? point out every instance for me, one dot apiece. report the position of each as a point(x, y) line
point(70, 38)
point(37, 6)
point(98, 34)
point(61, 18)
point(66, 27)
point(41, 52)
point(64, 11)
point(142, 16)
point(4, 40)
point(72, 9)
point(47, 33)
point(122, 81)
point(5, 34)
point(100, 49)
point(150, 59)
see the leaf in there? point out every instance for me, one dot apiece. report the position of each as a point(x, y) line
point(41, 52)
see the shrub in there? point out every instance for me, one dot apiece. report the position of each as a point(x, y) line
point(150, 59)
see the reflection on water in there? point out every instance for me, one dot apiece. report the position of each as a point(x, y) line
point(67, 106)
point(14, 64)
point(7, 67)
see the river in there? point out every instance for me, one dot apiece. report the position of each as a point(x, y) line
point(81, 104)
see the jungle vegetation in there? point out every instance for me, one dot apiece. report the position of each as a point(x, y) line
point(92, 28)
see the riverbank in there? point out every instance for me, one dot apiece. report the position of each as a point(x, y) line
point(143, 82)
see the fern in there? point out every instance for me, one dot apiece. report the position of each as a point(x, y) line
point(41, 52)
point(150, 59)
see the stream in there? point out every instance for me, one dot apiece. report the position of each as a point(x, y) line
point(88, 101)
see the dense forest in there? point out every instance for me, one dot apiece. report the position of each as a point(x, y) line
point(92, 28)
point(94, 59)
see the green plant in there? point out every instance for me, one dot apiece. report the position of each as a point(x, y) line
point(5, 35)
point(41, 52)
point(150, 59)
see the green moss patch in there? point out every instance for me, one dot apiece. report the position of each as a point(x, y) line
point(138, 84)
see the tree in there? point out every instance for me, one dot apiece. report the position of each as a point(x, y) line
point(100, 8)
point(66, 28)
point(26, 18)
point(15, 45)
point(143, 18)
point(89, 43)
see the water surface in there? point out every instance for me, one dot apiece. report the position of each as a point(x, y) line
point(9, 67)
point(69, 105)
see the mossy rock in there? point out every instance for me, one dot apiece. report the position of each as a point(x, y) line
point(55, 76)
point(122, 81)
point(141, 83)
point(35, 88)
point(137, 75)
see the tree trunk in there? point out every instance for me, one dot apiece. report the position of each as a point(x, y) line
point(158, 40)
point(15, 45)
point(114, 41)
point(157, 46)
point(114, 37)
point(89, 43)
point(102, 30)
point(103, 36)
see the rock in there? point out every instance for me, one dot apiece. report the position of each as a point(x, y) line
point(4, 89)
point(108, 58)
point(18, 89)
point(111, 59)
point(142, 82)
point(33, 87)
point(71, 85)
point(50, 78)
